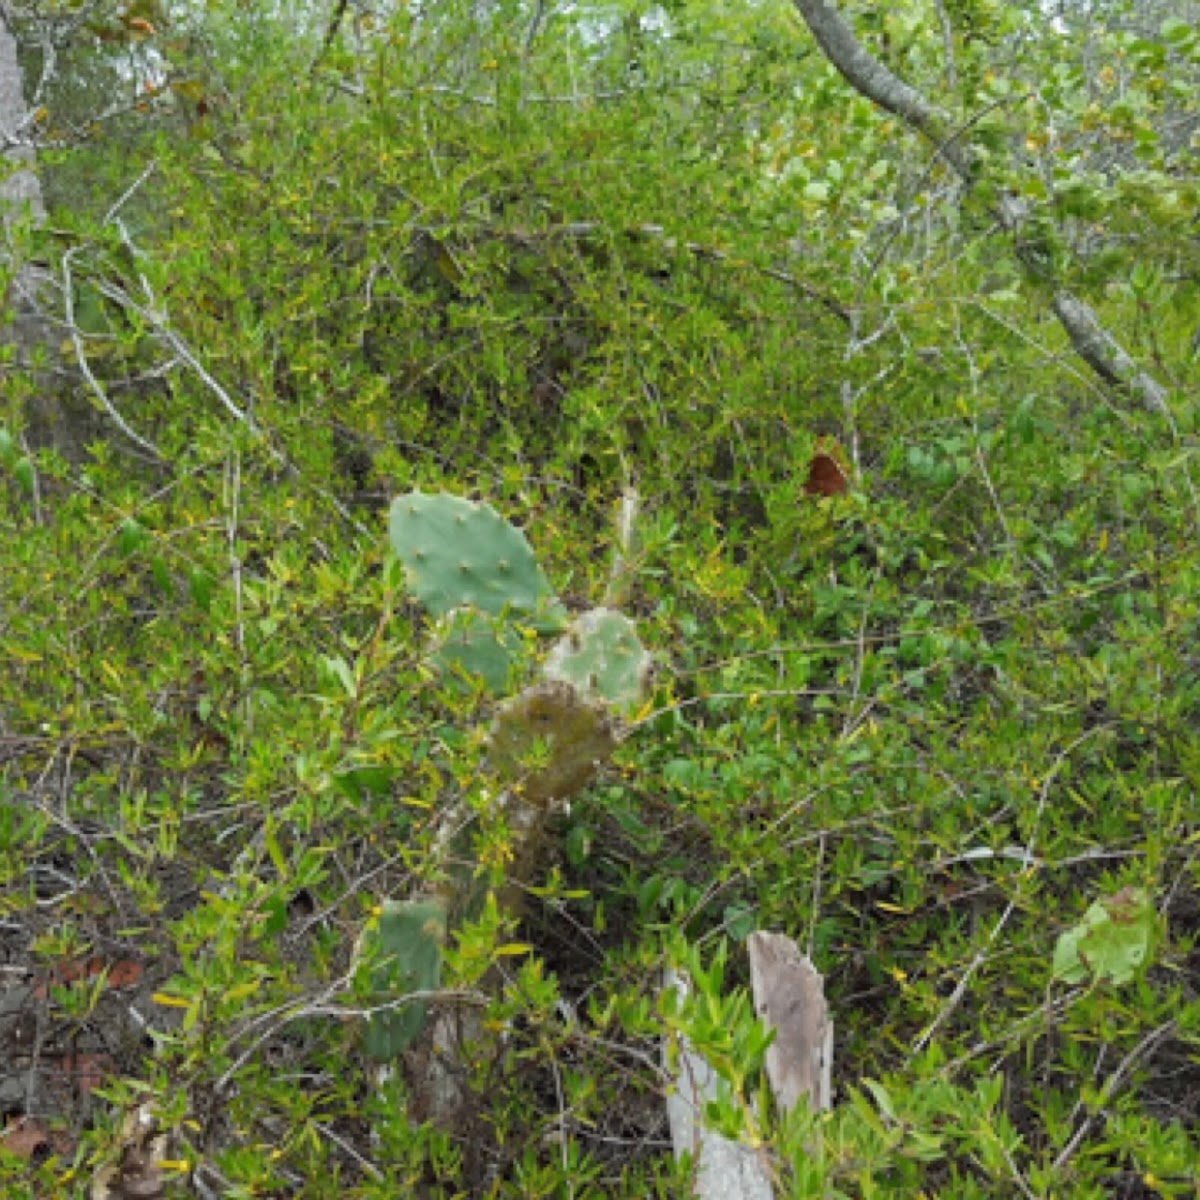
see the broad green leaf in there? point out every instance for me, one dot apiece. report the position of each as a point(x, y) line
point(1113, 942)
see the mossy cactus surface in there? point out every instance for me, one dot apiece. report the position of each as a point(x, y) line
point(602, 656)
point(405, 943)
point(548, 742)
point(458, 553)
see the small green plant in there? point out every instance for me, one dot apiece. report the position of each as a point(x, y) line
point(1114, 941)
point(477, 572)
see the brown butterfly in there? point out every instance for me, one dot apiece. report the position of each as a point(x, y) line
point(825, 476)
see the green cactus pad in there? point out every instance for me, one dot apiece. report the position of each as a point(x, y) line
point(457, 553)
point(470, 641)
point(549, 741)
point(602, 656)
point(406, 943)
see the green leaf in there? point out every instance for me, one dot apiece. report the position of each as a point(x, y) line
point(882, 1098)
point(200, 588)
point(160, 575)
point(25, 475)
point(1178, 33)
point(339, 668)
point(1114, 941)
point(360, 783)
point(130, 536)
point(739, 921)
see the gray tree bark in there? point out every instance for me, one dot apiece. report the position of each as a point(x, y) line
point(789, 997)
point(51, 416)
point(20, 190)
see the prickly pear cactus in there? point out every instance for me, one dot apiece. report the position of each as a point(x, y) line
point(406, 943)
point(602, 655)
point(457, 553)
point(477, 574)
point(472, 642)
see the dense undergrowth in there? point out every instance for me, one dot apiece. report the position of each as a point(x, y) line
point(920, 726)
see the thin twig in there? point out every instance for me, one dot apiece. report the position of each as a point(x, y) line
point(535, 25)
point(331, 32)
point(1109, 1086)
point(232, 500)
point(86, 369)
point(947, 43)
point(984, 952)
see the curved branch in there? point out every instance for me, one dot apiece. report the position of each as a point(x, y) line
point(868, 76)
point(1101, 351)
point(335, 23)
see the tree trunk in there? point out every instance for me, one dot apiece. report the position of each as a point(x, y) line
point(21, 189)
point(20, 192)
point(51, 416)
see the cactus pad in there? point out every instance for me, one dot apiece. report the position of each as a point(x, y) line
point(549, 741)
point(470, 641)
point(458, 553)
point(601, 655)
point(406, 945)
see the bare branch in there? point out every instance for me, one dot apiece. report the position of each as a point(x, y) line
point(85, 367)
point(869, 76)
point(1100, 350)
point(335, 23)
point(535, 25)
point(947, 43)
